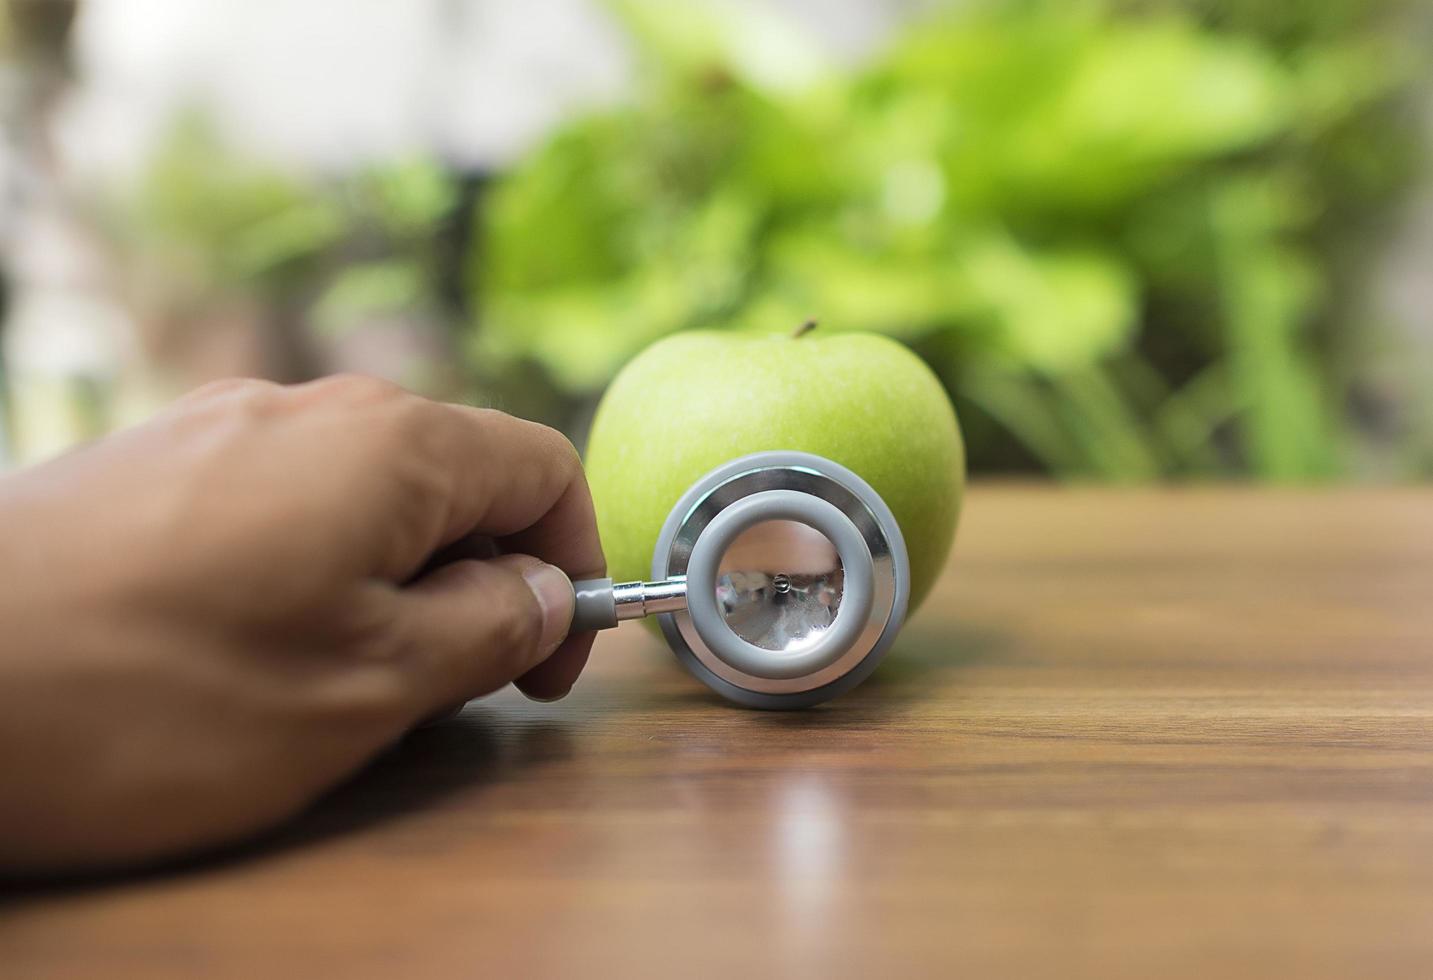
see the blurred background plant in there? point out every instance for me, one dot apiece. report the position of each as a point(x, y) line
point(1136, 240)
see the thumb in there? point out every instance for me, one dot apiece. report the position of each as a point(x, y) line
point(471, 627)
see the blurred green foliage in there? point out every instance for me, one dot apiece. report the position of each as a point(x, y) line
point(205, 223)
point(1131, 236)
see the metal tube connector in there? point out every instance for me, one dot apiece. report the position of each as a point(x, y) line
point(600, 604)
point(635, 600)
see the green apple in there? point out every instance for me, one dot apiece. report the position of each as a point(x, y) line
point(696, 400)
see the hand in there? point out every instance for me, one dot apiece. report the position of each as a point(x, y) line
point(210, 619)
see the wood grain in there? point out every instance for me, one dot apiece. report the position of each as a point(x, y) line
point(1134, 733)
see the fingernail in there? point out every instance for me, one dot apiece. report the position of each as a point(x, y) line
point(554, 594)
point(542, 700)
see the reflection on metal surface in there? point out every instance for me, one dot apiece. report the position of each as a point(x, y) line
point(788, 478)
point(779, 585)
point(633, 600)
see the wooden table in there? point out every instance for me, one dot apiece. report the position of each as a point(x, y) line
point(1180, 733)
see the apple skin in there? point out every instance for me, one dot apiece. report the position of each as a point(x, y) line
point(696, 400)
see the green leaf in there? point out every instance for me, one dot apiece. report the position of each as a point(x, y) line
point(904, 295)
point(366, 290)
point(411, 196)
point(295, 233)
point(755, 43)
point(1142, 100)
point(1052, 312)
point(1268, 290)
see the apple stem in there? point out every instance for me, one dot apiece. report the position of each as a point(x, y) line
point(804, 329)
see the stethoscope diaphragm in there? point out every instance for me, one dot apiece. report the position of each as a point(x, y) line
point(779, 579)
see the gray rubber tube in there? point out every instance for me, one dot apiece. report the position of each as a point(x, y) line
point(595, 608)
point(856, 596)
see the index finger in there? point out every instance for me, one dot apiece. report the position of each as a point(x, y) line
point(497, 475)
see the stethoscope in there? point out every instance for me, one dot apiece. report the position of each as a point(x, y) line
point(779, 580)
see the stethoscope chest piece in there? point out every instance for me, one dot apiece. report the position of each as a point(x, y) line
point(779, 580)
point(797, 579)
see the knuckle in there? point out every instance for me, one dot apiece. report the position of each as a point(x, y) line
point(410, 417)
point(571, 459)
point(225, 386)
point(519, 631)
point(409, 447)
point(243, 392)
point(252, 401)
point(367, 626)
point(563, 462)
point(562, 448)
point(362, 388)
